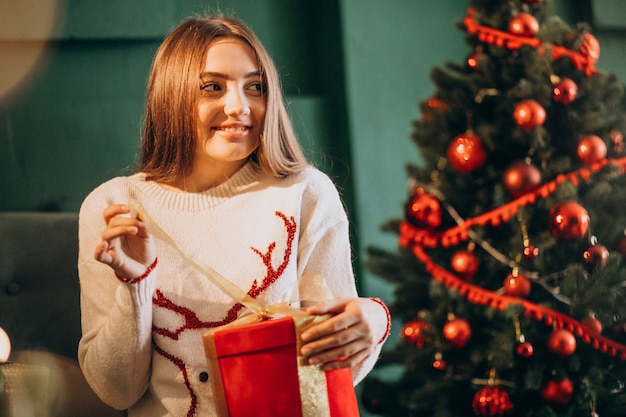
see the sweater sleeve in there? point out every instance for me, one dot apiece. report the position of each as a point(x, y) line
point(324, 249)
point(115, 349)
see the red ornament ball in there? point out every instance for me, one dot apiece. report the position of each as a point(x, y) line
point(558, 393)
point(530, 252)
point(516, 285)
point(529, 114)
point(592, 324)
point(472, 61)
point(491, 401)
point(565, 91)
point(520, 178)
point(466, 153)
point(596, 256)
point(590, 47)
point(464, 263)
point(440, 365)
point(417, 332)
point(516, 26)
point(524, 24)
point(561, 342)
point(568, 221)
point(524, 350)
point(423, 210)
point(591, 149)
point(458, 332)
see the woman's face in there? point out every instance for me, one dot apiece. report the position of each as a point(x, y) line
point(231, 105)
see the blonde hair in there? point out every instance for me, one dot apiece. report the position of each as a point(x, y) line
point(169, 137)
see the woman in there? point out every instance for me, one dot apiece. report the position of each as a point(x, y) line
point(223, 175)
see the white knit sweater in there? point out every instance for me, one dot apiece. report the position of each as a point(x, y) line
point(141, 347)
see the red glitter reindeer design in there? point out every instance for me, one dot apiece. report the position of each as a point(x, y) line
point(191, 320)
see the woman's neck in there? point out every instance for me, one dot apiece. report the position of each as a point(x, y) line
point(200, 180)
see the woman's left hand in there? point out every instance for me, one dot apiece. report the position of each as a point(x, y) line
point(347, 338)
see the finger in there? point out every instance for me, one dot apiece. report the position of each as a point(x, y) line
point(117, 225)
point(343, 352)
point(115, 210)
point(102, 253)
point(133, 225)
point(125, 221)
point(337, 340)
point(332, 341)
point(349, 314)
point(336, 305)
point(142, 229)
point(333, 326)
point(118, 231)
point(349, 362)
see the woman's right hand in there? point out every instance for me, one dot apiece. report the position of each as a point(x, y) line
point(127, 245)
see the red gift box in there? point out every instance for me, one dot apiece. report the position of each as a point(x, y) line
point(256, 371)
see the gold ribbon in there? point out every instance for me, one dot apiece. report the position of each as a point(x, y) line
point(236, 293)
point(312, 379)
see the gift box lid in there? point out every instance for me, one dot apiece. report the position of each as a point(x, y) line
point(253, 337)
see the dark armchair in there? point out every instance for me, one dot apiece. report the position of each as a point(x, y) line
point(39, 310)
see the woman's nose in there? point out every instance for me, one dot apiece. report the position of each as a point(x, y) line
point(236, 102)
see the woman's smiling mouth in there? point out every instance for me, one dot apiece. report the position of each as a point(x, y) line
point(232, 131)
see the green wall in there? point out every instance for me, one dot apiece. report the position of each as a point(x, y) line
point(389, 52)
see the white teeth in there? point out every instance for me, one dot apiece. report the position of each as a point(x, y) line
point(233, 129)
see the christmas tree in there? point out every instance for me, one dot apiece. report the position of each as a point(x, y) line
point(510, 273)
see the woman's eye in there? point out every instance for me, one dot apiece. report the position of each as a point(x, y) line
point(259, 87)
point(211, 87)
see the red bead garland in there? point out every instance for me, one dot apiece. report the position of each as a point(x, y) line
point(478, 295)
point(583, 59)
